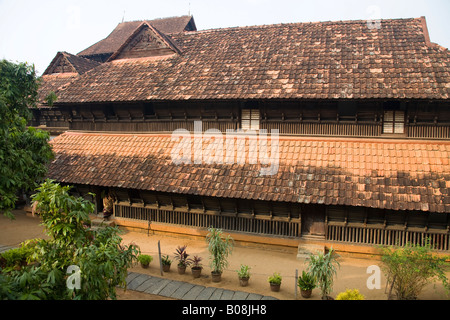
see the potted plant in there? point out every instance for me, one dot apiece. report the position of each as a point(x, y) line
point(196, 266)
point(275, 282)
point(306, 283)
point(219, 248)
point(182, 257)
point(244, 275)
point(145, 260)
point(166, 263)
point(323, 267)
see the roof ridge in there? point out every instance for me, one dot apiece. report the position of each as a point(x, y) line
point(156, 19)
point(297, 23)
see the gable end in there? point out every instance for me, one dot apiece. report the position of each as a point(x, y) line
point(146, 41)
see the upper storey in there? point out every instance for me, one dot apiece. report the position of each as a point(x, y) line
point(102, 50)
point(324, 60)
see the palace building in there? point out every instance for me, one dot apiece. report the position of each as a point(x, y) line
point(353, 118)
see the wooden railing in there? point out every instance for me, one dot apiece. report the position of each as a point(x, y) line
point(328, 129)
point(436, 132)
point(284, 127)
point(389, 236)
point(266, 225)
point(152, 126)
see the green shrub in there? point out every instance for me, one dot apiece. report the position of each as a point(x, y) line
point(145, 259)
point(219, 247)
point(244, 272)
point(350, 295)
point(323, 267)
point(100, 255)
point(15, 259)
point(275, 278)
point(165, 260)
point(410, 268)
point(306, 281)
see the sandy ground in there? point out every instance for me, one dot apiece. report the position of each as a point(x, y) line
point(352, 273)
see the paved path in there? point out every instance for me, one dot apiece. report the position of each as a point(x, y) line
point(4, 248)
point(184, 290)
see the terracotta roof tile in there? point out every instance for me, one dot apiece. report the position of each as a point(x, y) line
point(123, 31)
point(64, 68)
point(326, 60)
point(144, 161)
point(53, 82)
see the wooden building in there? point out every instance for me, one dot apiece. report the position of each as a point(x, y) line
point(363, 116)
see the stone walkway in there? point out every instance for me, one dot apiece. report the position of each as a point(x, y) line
point(4, 248)
point(184, 290)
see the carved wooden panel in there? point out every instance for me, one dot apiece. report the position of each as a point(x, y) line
point(145, 44)
point(62, 65)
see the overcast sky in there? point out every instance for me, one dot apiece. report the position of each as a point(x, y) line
point(34, 31)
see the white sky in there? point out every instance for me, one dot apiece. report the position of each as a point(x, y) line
point(34, 31)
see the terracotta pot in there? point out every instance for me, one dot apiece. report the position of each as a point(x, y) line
point(181, 269)
point(275, 287)
point(306, 293)
point(166, 267)
point(243, 282)
point(196, 272)
point(216, 276)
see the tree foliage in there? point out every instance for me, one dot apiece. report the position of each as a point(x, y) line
point(101, 257)
point(409, 269)
point(24, 152)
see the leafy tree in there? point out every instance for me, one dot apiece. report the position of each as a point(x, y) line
point(410, 268)
point(24, 152)
point(99, 254)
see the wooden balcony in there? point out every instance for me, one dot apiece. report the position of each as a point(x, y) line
point(387, 235)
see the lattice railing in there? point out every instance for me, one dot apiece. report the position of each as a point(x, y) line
point(267, 225)
point(376, 235)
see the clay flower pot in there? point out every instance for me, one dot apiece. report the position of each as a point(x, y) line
point(196, 272)
point(216, 276)
point(181, 269)
point(243, 282)
point(275, 287)
point(306, 293)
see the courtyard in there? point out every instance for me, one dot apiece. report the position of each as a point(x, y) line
point(263, 261)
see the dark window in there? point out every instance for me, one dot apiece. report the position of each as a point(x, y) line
point(148, 109)
point(394, 122)
point(250, 119)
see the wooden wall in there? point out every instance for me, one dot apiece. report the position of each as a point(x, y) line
point(356, 225)
point(322, 118)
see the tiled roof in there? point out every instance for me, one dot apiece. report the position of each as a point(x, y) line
point(324, 60)
point(52, 82)
point(66, 62)
point(123, 31)
point(389, 174)
point(64, 68)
